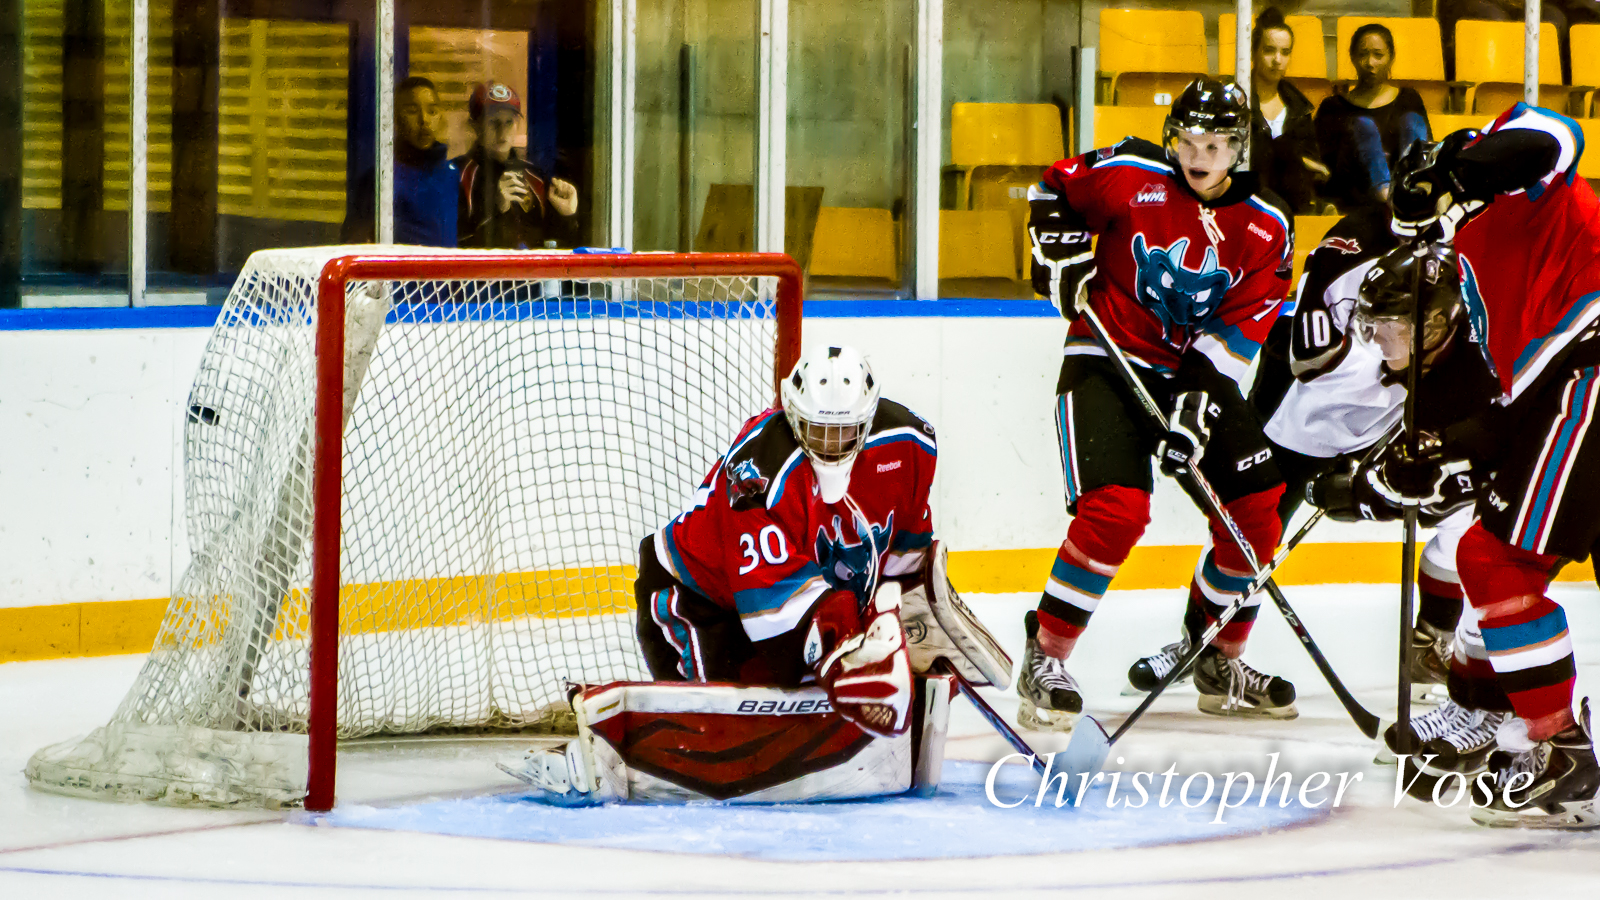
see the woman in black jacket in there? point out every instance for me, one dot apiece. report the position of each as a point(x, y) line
point(1363, 129)
point(1283, 140)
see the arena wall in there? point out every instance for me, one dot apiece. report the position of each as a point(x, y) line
point(92, 533)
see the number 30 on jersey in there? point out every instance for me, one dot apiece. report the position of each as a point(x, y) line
point(774, 548)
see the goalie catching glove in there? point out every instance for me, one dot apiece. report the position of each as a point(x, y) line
point(1063, 253)
point(866, 671)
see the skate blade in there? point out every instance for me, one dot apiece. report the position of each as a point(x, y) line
point(1033, 718)
point(1575, 815)
point(518, 774)
point(1085, 754)
point(1215, 705)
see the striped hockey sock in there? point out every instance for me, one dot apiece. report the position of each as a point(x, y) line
point(1531, 652)
point(1108, 523)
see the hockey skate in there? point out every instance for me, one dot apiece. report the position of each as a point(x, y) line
point(1050, 697)
point(1446, 740)
point(1564, 776)
point(1146, 673)
point(1442, 720)
point(1228, 687)
point(1431, 649)
point(560, 775)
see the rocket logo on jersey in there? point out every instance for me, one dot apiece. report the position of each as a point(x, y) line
point(853, 566)
point(1477, 314)
point(1180, 296)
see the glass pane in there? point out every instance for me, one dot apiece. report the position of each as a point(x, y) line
point(495, 125)
point(255, 111)
point(74, 246)
point(1007, 90)
point(695, 150)
point(851, 69)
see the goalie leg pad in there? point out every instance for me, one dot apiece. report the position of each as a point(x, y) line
point(940, 626)
point(675, 742)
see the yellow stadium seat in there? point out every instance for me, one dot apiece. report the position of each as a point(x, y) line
point(1418, 55)
point(1113, 123)
point(1308, 64)
point(854, 242)
point(1308, 233)
point(1009, 195)
point(1585, 46)
point(1441, 124)
point(1489, 55)
point(1589, 162)
point(1145, 52)
point(976, 243)
point(1011, 135)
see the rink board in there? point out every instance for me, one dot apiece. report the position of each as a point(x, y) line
point(959, 822)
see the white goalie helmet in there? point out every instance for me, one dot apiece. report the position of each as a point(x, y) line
point(829, 399)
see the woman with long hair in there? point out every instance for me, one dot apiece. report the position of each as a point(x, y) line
point(1364, 128)
point(1283, 141)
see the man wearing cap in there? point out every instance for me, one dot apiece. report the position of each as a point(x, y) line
point(503, 201)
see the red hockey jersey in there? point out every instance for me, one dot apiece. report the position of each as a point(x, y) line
point(1173, 271)
point(1530, 261)
point(759, 540)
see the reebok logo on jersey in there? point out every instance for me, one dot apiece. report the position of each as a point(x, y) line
point(1343, 245)
point(1259, 232)
point(1150, 195)
point(889, 466)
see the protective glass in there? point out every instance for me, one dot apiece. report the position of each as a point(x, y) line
point(831, 443)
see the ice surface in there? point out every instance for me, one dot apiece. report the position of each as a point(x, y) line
point(958, 822)
point(63, 847)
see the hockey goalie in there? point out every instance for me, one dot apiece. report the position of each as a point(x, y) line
point(774, 616)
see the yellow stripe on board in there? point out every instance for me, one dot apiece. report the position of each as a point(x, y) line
point(129, 626)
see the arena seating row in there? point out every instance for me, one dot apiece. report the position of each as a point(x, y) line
point(1148, 55)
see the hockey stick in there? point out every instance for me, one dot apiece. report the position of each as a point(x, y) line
point(1090, 746)
point(999, 724)
point(1408, 549)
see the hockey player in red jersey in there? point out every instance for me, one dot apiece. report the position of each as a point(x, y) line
point(1526, 231)
point(1191, 269)
point(769, 615)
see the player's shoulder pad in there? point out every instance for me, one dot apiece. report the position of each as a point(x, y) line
point(1352, 240)
point(1276, 204)
point(760, 460)
point(894, 423)
point(1132, 151)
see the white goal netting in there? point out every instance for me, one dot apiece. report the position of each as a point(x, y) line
point(506, 446)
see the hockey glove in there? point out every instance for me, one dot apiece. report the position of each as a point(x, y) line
point(866, 672)
point(1063, 253)
point(1346, 496)
point(1427, 197)
point(1422, 480)
point(1187, 433)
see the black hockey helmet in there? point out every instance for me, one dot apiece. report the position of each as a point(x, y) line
point(1386, 304)
point(1209, 106)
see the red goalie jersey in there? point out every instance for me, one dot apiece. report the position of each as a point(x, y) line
point(759, 540)
point(1175, 272)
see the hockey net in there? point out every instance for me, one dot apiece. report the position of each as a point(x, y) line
point(461, 543)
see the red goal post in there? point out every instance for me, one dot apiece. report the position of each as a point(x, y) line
point(337, 275)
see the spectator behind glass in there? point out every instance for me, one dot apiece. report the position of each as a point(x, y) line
point(1283, 139)
point(1363, 129)
point(503, 201)
point(425, 181)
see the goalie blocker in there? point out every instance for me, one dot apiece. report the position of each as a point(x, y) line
point(678, 741)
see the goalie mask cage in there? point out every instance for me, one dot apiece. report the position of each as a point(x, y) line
point(415, 484)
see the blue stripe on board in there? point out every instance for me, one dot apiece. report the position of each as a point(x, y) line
point(206, 316)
